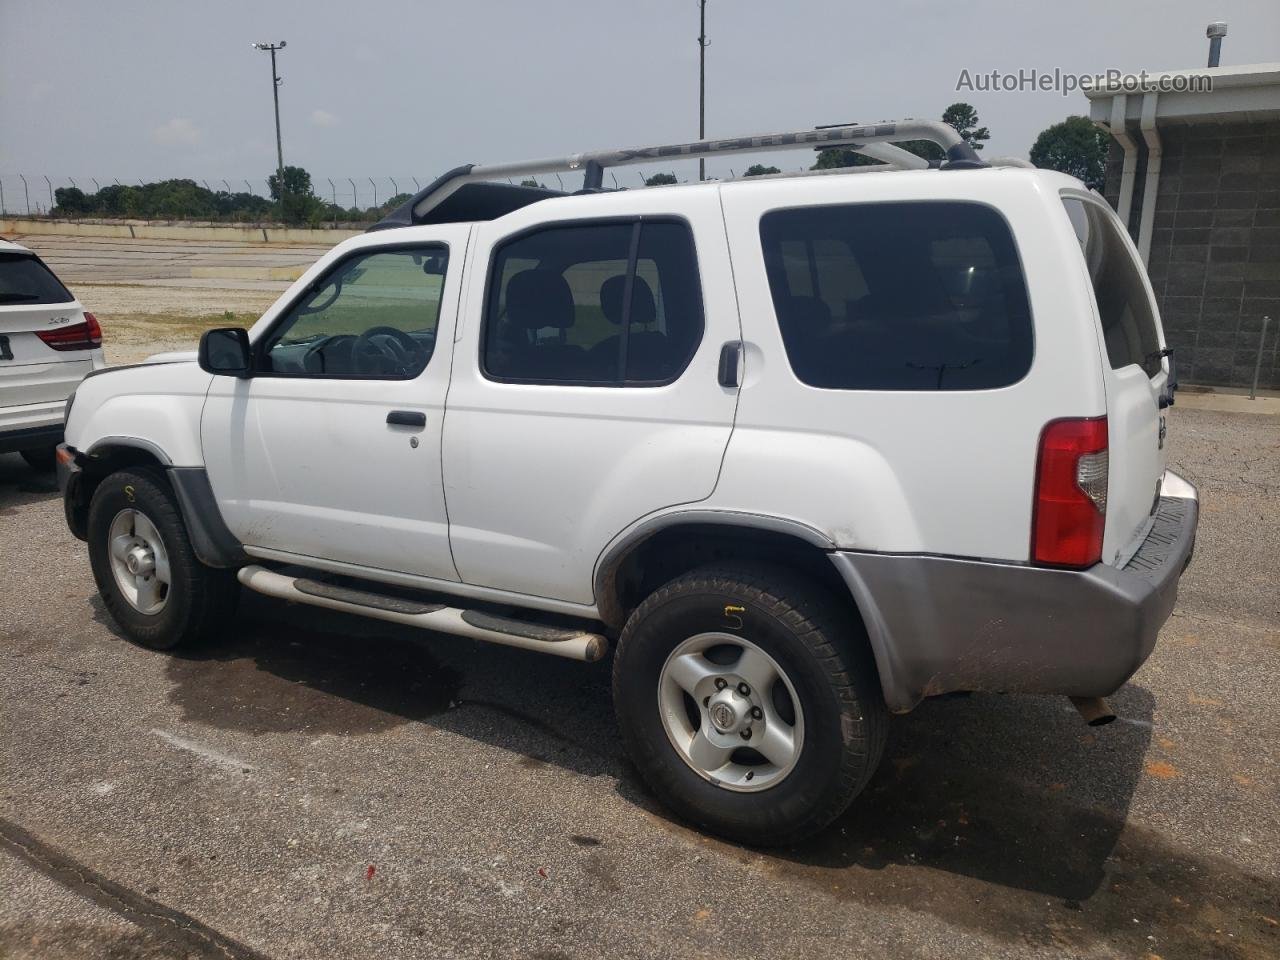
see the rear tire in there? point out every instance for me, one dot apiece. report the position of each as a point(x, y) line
point(41, 459)
point(818, 696)
point(147, 573)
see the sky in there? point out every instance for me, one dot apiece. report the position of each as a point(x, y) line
point(398, 89)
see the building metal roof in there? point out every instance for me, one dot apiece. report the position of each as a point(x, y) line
point(1245, 93)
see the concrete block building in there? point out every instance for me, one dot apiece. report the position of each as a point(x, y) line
point(1196, 176)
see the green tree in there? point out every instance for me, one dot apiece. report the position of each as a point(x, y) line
point(760, 170)
point(70, 201)
point(1074, 146)
point(299, 202)
point(296, 181)
point(834, 157)
point(530, 182)
point(964, 118)
point(660, 179)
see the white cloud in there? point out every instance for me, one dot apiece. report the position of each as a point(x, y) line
point(323, 118)
point(179, 131)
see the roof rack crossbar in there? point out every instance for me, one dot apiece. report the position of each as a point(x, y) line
point(875, 139)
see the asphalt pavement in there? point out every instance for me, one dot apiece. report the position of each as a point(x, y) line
point(319, 786)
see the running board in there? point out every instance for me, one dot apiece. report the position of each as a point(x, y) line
point(561, 642)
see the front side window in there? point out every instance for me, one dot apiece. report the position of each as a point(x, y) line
point(1128, 321)
point(898, 296)
point(597, 304)
point(373, 315)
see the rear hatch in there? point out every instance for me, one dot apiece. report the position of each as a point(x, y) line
point(46, 346)
point(1135, 374)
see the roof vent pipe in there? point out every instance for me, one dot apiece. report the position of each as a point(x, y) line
point(1215, 32)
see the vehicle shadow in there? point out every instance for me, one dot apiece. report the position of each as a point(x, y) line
point(20, 485)
point(283, 668)
point(987, 812)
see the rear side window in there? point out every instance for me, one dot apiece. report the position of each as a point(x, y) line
point(598, 304)
point(1128, 322)
point(24, 279)
point(898, 296)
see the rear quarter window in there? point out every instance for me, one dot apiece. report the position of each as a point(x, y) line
point(24, 279)
point(898, 296)
point(1128, 319)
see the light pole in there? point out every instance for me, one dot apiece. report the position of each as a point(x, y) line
point(275, 95)
point(702, 84)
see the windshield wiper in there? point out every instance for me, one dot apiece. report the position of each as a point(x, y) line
point(16, 297)
point(942, 368)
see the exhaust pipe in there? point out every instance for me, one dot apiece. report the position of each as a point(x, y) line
point(1095, 711)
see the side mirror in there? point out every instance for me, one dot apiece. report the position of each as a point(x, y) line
point(226, 352)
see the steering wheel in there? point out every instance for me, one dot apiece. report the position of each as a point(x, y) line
point(393, 348)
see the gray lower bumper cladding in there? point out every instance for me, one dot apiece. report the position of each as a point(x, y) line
point(940, 624)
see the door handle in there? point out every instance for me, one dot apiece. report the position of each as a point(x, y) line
point(407, 418)
point(730, 354)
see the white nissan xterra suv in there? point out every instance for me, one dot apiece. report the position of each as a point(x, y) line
point(808, 449)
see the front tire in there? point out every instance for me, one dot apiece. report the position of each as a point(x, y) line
point(749, 702)
point(147, 573)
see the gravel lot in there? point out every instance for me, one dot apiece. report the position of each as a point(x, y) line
point(318, 786)
point(145, 296)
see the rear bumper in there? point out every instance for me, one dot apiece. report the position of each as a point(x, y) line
point(939, 624)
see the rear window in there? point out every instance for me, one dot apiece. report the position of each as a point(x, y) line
point(24, 279)
point(898, 296)
point(1128, 322)
point(558, 309)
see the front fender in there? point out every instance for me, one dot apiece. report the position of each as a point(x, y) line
point(154, 407)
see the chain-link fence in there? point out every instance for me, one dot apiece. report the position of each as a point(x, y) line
point(43, 195)
point(218, 198)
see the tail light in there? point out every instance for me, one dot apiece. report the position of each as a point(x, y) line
point(80, 336)
point(1070, 509)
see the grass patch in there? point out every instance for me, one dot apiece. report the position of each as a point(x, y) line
point(142, 327)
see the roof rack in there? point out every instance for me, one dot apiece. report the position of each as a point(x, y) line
point(874, 140)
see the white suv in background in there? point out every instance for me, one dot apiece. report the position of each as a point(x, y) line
point(808, 449)
point(47, 344)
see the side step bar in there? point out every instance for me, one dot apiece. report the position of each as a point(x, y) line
point(573, 644)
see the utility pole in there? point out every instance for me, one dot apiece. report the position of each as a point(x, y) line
point(702, 84)
point(275, 95)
